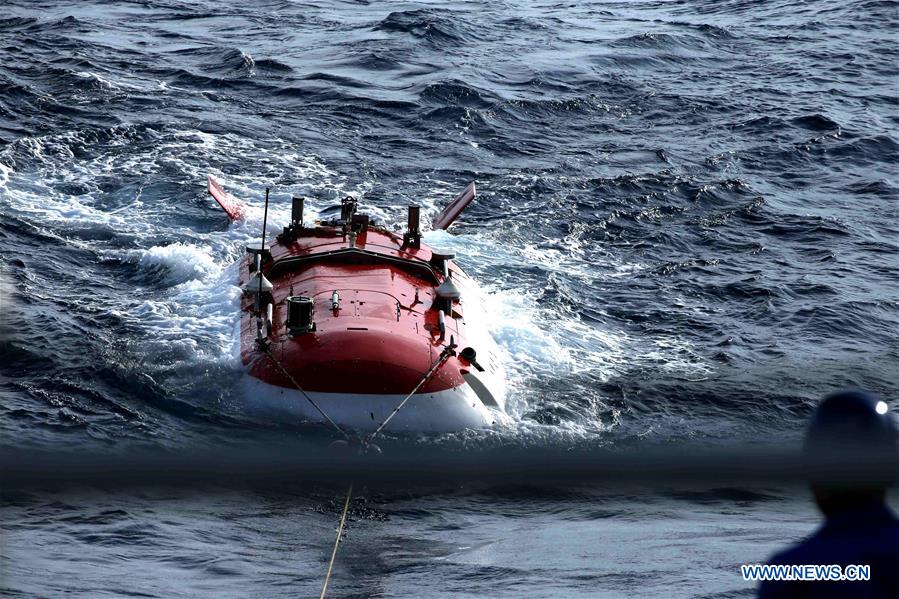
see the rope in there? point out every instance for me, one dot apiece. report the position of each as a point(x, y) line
point(300, 389)
point(349, 493)
point(444, 356)
point(346, 507)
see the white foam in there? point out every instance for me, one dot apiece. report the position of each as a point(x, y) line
point(94, 77)
point(5, 174)
point(197, 315)
point(545, 344)
point(196, 320)
point(184, 262)
point(533, 338)
point(120, 83)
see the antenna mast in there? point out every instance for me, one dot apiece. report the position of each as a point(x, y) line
point(261, 252)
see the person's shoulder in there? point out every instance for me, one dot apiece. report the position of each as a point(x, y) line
point(842, 546)
point(802, 552)
point(776, 589)
point(797, 554)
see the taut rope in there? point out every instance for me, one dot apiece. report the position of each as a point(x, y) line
point(300, 389)
point(346, 507)
point(448, 351)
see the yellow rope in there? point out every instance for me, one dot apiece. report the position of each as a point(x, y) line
point(346, 507)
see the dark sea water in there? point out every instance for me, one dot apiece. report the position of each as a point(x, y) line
point(687, 228)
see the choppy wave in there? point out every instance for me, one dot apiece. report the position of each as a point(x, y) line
point(686, 229)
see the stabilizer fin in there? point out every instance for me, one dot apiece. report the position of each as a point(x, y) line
point(455, 208)
point(231, 205)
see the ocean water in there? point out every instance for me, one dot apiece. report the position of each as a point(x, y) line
point(687, 231)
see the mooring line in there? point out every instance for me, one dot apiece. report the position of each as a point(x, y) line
point(346, 507)
point(349, 493)
point(447, 352)
point(444, 356)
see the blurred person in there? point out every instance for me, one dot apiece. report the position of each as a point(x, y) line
point(851, 456)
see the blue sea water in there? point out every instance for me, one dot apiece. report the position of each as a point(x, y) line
point(687, 228)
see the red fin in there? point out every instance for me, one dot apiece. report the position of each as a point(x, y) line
point(454, 209)
point(228, 202)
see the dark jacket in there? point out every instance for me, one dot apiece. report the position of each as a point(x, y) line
point(868, 535)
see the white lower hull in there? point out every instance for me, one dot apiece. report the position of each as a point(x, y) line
point(444, 411)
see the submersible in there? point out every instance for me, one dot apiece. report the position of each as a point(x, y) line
point(345, 321)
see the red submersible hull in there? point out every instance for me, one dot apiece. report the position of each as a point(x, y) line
point(345, 321)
